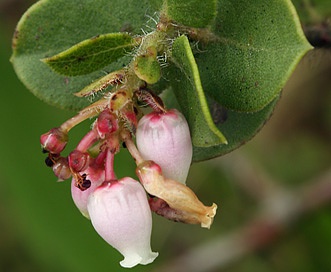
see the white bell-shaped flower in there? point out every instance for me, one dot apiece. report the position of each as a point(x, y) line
point(165, 139)
point(121, 215)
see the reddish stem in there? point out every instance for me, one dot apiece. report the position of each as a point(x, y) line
point(89, 139)
point(109, 166)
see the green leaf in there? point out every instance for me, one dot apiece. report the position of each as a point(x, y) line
point(92, 54)
point(313, 12)
point(189, 92)
point(51, 26)
point(258, 46)
point(238, 128)
point(192, 13)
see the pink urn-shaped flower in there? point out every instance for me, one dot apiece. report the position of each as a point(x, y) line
point(120, 213)
point(165, 139)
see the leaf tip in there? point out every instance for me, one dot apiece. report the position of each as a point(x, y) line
point(45, 60)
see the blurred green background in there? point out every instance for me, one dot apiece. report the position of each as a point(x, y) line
point(41, 229)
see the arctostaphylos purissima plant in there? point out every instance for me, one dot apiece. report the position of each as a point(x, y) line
point(175, 82)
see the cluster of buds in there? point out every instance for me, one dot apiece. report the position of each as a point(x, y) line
point(120, 209)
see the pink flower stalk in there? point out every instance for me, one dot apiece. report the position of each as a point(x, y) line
point(164, 137)
point(120, 213)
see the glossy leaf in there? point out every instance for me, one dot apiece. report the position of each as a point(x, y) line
point(192, 13)
point(52, 26)
point(92, 54)
point(191, 97)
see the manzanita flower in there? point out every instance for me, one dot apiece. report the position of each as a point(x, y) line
point(120, 210)
point(120, 213)
point(164, 137)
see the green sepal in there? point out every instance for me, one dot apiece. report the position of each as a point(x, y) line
point(147, 67)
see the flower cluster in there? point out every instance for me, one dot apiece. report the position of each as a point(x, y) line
point(120, 209)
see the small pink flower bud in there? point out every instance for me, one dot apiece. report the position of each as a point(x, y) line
point(54, 141)
point(165, 139)
point(120, 213)
point(78, 161)
point(106, 123)
point(80, 197)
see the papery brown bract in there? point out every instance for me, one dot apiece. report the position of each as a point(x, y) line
point(183, 201)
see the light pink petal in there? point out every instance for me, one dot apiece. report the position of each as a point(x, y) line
point(165, 139)
point(120, 213)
